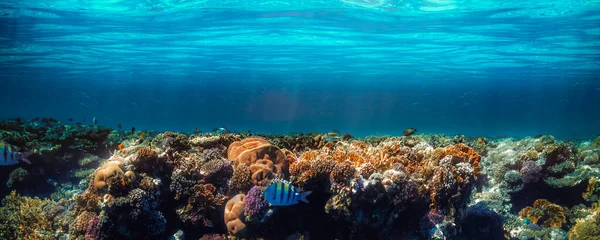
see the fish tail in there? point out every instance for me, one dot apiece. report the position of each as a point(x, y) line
point(303, 196)
point(25, 155)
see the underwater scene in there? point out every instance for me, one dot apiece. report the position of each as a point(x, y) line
point(300, 119)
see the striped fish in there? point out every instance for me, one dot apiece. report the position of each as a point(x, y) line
point(8, 155)
point(284, 194)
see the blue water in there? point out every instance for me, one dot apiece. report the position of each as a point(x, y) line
point(480, 68)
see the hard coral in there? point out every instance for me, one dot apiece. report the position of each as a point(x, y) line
point(342, 173)
point(254, 204)
point(234, 216)
point(108, 174)
point(248, 151)
point(24, 218)
point(322, 168)
point(241, 178)
point(263, 170)
point(300, 172)
point(211, 167)
point(544, 213)
point(146, 159)
point(200, 205)
point(177, 141)
point(467, 153)
point(366, 170)
point(588, 227)
point(531, 172)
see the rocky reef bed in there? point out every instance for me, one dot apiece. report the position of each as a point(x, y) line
point(101, 183)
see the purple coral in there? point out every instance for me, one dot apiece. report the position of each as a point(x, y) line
point(254, 203)
point(93, 228)
point(531, 172)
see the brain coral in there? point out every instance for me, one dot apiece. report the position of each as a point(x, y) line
point(263, 170)
point(249, 150)
point(234, 215)
point(109, 173)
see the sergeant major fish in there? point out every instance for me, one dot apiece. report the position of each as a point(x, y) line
point(283, 194)
point(8, 155)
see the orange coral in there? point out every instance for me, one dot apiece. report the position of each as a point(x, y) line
point(234, 215)
point(250, 150)
point(263, 170)
point(310, 155)
point(465, 152)
point(300, 172)
point(109, 172)
point(360, 145)
point(290, 156)
point(339, 155)
point(550, 215)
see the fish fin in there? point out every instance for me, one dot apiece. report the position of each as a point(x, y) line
point(302, 196)
point(25, 155)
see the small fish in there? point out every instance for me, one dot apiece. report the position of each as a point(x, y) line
point(132, 130)
point(70, 119)
point(121, 146)
point(332, 137)
point(95, 121)
point(196, 130)
point(409, 131)
point(58, 122)
point(284, 194)
point(538, 136)
point(480, 139)
point(222, 130)
point(36, 119)
point(8, 155)
point(119, 126)
point(142, 134)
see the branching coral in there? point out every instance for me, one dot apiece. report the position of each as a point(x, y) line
point(255, 205)
point(24, 218)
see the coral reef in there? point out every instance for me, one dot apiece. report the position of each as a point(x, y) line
point(175, 185)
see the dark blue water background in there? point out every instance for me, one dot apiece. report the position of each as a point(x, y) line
point(477, 71)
